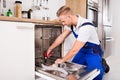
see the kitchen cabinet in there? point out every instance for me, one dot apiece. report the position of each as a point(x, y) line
point(107, 16)
point(78, 6)
point(16, 51)
point(107, 39)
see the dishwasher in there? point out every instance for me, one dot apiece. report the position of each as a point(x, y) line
point(45, 69)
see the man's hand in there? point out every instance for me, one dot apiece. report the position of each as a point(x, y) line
point(58, 61)
point(71, 77)
point(47, 54)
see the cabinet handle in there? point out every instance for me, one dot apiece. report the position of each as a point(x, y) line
point(24, 27)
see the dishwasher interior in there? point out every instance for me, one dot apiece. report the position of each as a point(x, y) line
point(45, 35)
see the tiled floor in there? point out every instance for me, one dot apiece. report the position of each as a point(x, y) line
point(114, 62)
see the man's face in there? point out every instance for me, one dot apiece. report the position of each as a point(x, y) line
point(65, 19)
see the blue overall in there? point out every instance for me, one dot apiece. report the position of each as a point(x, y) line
point(90, 55)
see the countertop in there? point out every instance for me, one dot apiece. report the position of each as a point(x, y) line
point(14, 19)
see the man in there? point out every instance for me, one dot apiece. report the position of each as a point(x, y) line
point(86, 49)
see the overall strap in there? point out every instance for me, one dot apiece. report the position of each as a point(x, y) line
point(84, 24)
point(75, 35)
point(87, 23)
point(96, 48)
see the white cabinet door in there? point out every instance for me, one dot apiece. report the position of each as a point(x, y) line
point(16, 51)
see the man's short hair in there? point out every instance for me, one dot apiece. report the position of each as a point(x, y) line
point(64, 10)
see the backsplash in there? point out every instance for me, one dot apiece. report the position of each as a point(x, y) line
point(46, 10)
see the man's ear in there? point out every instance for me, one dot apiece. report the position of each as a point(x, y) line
point(69, 16)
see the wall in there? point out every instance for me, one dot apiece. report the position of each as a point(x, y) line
point(27, 4)
point(10, 5)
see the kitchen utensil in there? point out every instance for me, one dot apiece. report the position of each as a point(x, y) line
point(46, 55)
point(62, 65)
point(54, 69)
point(35, 5)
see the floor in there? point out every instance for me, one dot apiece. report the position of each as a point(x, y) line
point(114, 62)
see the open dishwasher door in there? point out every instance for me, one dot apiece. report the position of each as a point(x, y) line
point(81, 72)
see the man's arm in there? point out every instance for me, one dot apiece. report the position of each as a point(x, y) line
point(58, 40)
point(76, 47)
